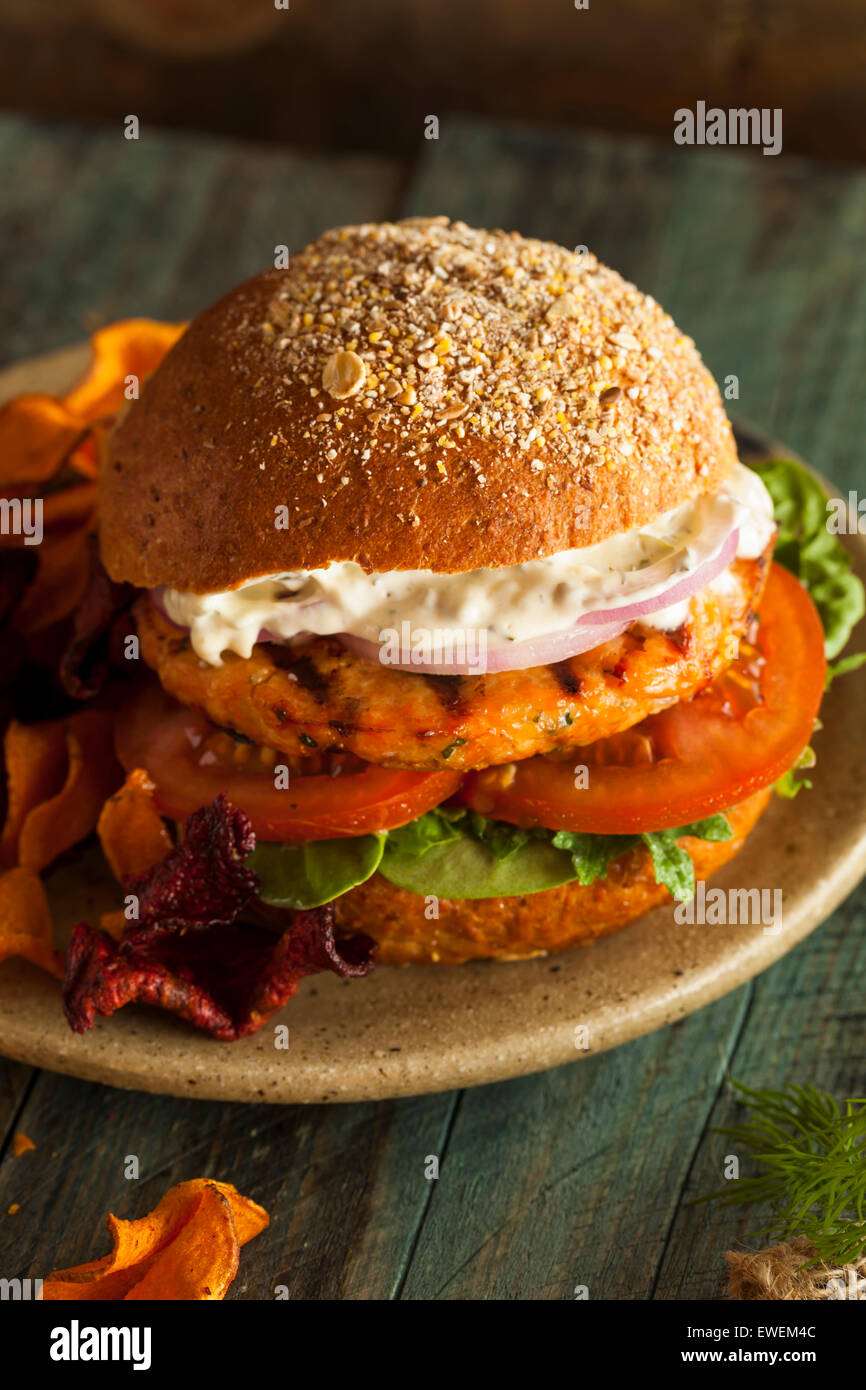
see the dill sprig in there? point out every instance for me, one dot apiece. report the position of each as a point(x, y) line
point(811, 1152)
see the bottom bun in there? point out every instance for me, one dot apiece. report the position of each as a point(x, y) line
point(514, 928)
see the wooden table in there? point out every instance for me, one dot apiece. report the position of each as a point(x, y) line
point(580, 1176)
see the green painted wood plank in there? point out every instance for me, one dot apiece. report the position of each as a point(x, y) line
point(573, 1177)
point(344, 1185)
point(15, 1080)
point(95, 227)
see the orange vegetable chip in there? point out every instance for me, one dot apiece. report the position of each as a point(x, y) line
point(84, 459)
point(36, 764)
point(59, 584)
point(115, 923)
point(133, 834)
point(63, 559)
point(37, 432)
point(21, 1144)
point(69, 508)
point(185, 1249)
point(25, 922)
point(132, 347)
point(201, 1262)
point(59, 775)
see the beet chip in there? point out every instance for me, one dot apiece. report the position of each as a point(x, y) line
point(203, 881)
point(186, 952)
point(87, 660)
point(227, 979)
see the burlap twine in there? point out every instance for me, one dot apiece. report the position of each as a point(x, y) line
point(780, 1272)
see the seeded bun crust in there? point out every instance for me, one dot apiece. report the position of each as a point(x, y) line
point(514, 928)
point(415, 395)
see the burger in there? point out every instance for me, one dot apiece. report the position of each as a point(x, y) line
point(448, 577)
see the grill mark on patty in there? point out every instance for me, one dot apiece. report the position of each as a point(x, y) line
point(305, 671)
point(448, 690)
point(343, 727)
point(564, 676)
point(680, 638)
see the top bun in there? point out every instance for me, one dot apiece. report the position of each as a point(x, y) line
point(410, 395)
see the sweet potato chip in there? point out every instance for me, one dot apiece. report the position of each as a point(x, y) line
point(37, 432)
point(59, 775)
point(84, 458)
point(95, 1282)
point(201, 1261)
point(115, 923)
point(93, 773)
point(17, 570)
point(68, 509)
point(60, 582)
point(186, 1249)
point(132, 347)
point(61, 560)
point(36, 764)
point(25, 921)
point(132, 832)
point(22, 1144)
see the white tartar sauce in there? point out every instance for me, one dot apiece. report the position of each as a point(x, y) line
point(509, 604)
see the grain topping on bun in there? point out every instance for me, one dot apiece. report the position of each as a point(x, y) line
point(412, 395)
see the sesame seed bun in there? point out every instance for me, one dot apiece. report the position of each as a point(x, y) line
point(412, 395)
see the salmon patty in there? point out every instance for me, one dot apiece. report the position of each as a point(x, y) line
point(322, 696)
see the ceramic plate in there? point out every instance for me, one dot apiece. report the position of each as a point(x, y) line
point(426, 1028)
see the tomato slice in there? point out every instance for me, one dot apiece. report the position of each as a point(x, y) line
point(190, 760)
point(701, 756)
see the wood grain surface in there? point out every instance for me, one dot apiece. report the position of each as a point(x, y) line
point(582, 1175)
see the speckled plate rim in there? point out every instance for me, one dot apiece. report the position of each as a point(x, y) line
point(405, 1031)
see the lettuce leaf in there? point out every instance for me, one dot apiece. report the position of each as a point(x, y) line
point(672, 864)
point(491, 859)
point(817, 557)
point(432, 829)
point(308, 875)
point(452, 852)
point(810, 551)
point(468, 868)
point(591, 854)
point(789, 784)
point(842, 666)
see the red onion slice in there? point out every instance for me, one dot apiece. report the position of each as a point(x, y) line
point(537, 651)
point(591, 630)
point(681, 589)
point(157, 598)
